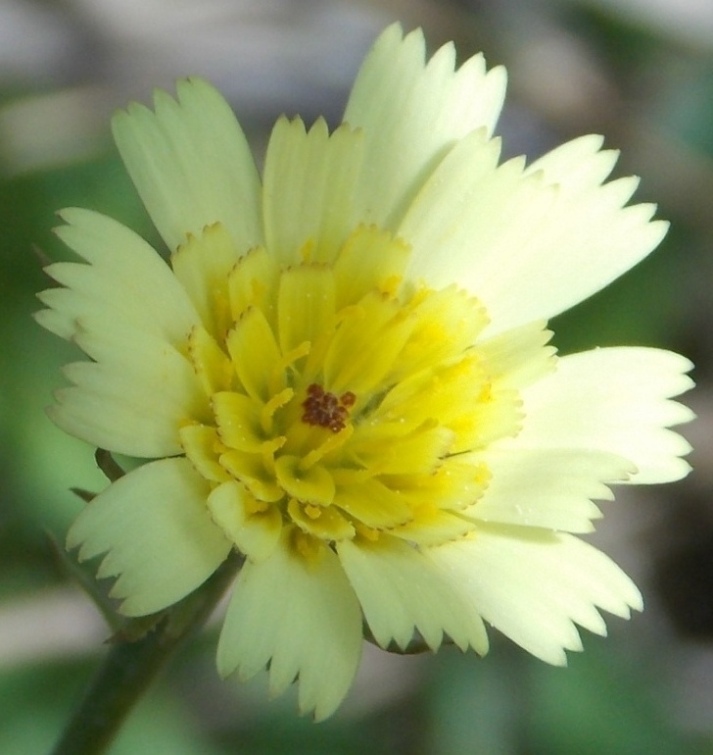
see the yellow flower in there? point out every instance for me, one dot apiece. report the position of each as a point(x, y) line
point(344, 374)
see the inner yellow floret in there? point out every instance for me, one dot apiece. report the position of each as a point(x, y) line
point(343, 400)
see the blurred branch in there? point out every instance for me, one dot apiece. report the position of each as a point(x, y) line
point(130, 667)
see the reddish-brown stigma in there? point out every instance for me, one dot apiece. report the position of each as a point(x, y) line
point(325, 409)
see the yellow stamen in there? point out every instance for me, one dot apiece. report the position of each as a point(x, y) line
point(268, 410)
point(331, 444)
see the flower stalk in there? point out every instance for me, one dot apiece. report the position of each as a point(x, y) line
point(131, 666)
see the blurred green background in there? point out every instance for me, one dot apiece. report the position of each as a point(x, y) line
point(638, 71)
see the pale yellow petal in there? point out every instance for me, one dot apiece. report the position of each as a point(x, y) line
point(253, 282)
point(469, 205)
point(519, 357)
point(126, 279)
point(578, 164)
point(238, 420)
point(306, 305)
point(550, 488)
point(370, 259)
point(301, 618)
point(616, 400)
point(154, 533)
point(412, 112)
point(253, 527)
point(202, 265)
point(191, 165)
point(203, 447)
point(529, 243)
point(309, 181)
point(133, 406)
point(373, 503)
point(212, 366)
point(402, 591)
point(256, 355)
point(534, 585)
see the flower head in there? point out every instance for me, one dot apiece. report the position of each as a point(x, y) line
point(344, 374)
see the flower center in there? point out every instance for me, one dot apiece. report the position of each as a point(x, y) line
point(325, 409)
point(342, 400)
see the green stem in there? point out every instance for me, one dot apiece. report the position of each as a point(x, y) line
point(130, 667)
